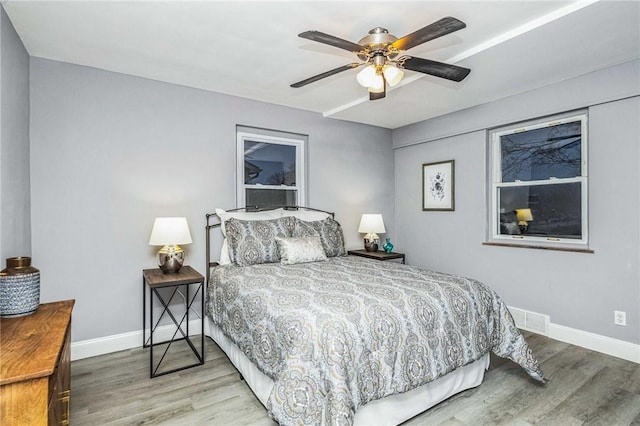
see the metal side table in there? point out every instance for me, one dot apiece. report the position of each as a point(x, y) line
point(179, 287)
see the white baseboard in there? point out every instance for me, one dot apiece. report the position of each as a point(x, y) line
point(541, 324)
point(596, 342)
point(585, 339)
point(123, 341)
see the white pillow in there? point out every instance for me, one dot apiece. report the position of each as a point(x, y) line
point(300, 250)
point(306, 215)
point(225, 259)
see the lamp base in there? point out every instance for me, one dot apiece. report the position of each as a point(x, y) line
point(170, 259)
point(371, 242)
point(524, 226)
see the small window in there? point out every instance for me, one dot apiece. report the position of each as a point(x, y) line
point(270, 169)
point(539, 181)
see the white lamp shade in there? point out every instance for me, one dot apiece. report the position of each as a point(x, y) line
point(392, 74)
point(170, 231)
point(371, 223)
point(378, 85)
point(368, 77)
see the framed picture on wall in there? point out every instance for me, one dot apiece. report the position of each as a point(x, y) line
point(438, 186)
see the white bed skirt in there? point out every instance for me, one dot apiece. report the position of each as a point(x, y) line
point(391, 410)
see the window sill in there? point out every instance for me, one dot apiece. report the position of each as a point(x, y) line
point(530, 246)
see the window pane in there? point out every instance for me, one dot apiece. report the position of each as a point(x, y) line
point(271, 197)
point(269, 163)
point(555, 210)
point(538, 154)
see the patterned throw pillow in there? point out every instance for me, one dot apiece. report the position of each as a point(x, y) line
point(300, 250)
point(224, 216)
point(329, 231)
point(253, 242)
point(306, 215)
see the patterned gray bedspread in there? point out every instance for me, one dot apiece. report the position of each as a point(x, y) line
point(337, 334)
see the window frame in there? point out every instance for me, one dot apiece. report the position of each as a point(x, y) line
point(298, 142)
point(495, 183)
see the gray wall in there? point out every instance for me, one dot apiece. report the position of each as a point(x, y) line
point(110, 152)
point(15, 212)
point(577, 290)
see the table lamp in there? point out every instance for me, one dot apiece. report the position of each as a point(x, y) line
point(169, 232)
point(371, 224)
point(523, 216)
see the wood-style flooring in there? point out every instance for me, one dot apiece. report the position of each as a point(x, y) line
point(585, 388)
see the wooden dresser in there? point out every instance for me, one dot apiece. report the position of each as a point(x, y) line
point(35, 366)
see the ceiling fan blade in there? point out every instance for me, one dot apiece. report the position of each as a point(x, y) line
point(439, 69)
point(331, 40)
point(437, 29)
point(325, 74)
point(379, 95)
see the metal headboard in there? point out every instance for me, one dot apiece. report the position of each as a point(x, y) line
point(213, 221)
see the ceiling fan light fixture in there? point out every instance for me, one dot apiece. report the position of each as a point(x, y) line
point(378, 85)
point(368, 77)
point(392, 74)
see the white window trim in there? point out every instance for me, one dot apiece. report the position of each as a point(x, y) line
point(300, 166)
point(496, 182)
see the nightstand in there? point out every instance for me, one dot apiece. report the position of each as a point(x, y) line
point(176, 296)
point(377, 255)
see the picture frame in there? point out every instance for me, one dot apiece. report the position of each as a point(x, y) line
point(438, 186)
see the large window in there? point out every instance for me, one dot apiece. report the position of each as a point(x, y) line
point(539, 182)
point(270, 169)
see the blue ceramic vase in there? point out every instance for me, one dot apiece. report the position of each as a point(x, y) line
point(388, 247)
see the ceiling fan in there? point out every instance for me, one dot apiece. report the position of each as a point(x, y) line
point(380, 52)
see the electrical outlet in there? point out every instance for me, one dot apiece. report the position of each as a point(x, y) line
point(620, 318)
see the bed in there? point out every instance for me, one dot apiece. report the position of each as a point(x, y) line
point(325, 338)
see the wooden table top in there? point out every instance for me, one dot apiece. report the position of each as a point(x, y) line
point(29, 345)
point(186, 275)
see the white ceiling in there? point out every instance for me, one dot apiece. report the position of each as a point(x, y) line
point(251, 49)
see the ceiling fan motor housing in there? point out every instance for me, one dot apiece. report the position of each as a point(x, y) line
point(377, 43)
